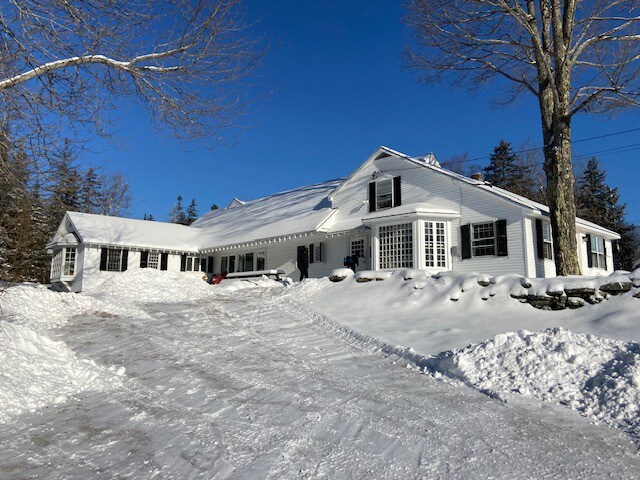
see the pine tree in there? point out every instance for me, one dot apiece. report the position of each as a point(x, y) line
point(148, 217)
point(89, 191)
point(177, 214)
point(214, 206)
point(192, 213)
point(599, 203)
point(65, 185)
point(516, 174)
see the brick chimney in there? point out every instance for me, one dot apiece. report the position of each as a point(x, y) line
point(477, 176)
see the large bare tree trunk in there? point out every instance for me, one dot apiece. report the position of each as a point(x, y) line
point(556, 133)
point(557, 167)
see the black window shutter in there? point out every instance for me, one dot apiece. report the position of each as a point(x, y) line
point(209, 264)
point(539, 238)
point(125, 260)
point(604, 249)
point(397, 193)
point(164, 259)
point(372, 196)
point(183, 262)
point(589, 260)
point(311, 255)
point(144, 259)
point(103, 259)
point(501, 234)
point(465, 238)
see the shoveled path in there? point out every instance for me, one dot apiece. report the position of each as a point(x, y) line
point(249, 387)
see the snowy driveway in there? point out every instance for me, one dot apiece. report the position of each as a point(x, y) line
point(248, 387)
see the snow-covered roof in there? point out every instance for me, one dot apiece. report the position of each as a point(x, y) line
point(535, 207)
point(420, 208)
point(293, 212)
point(104, 230)
point(296, 211)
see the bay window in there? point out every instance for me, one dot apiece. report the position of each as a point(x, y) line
point(396, 246)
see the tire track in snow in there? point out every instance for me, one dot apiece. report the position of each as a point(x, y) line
point(253, 386)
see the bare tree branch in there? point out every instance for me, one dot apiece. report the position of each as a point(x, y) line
point(71, 63)
point(573, 55)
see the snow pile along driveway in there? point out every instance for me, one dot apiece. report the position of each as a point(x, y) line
point(37, 371)
point(600, 377)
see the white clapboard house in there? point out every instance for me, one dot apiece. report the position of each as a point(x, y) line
point(393, 212)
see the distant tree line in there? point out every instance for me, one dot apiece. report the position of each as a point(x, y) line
point(181, 216)
point(34, 196)
point(596, 201)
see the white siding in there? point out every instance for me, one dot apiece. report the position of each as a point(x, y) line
point(282, 255)
point(582, 256)
point(442, 192)
point(538, 267)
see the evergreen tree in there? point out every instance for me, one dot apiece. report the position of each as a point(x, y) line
point(65, 185)
point(503, 170)
point(517, 175)
point(177, 214)
point(214, 206)
point(192, 213)
point(15, 214)
point(599, 203)
point(89, 191)
point(149, 217)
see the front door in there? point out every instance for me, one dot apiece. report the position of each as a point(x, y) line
point(358, 246)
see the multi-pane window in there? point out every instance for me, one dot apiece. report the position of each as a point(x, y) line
point(69, 266)
point(224, 264)
point(189, 264)
point(261, 260)
point(114, 260)
point(245, 262)
point(56, 264)
point(434, 244)
point(357, 247)
point(396, 246)
point(598, 259)
point(384, 194)
point(153, 260)
point(484, 239)
point(317, 252)
point(547, 242)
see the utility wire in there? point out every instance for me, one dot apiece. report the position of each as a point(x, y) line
point(534, 149)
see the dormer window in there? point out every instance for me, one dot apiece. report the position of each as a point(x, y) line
point(384, 193)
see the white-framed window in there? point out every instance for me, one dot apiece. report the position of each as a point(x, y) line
point(357, 247)
point(396, 246)
point(153, 260)
point(384, 194)
point(69, 265)
point(245, 262)
point(114, 260)
point(434, 244)
point(598, 259)
point(483, 241)
point(547, 241)
point(56, 264)
point(261, 260)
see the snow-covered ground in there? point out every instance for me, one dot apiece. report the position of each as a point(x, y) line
point(159, 375)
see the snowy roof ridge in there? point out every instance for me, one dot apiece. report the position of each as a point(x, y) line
point(505, 194)
point(107, 230)
point(290, 212)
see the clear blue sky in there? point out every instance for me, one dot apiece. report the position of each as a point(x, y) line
point(330, 91)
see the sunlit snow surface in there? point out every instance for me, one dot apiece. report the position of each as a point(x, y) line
point(159, 375)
